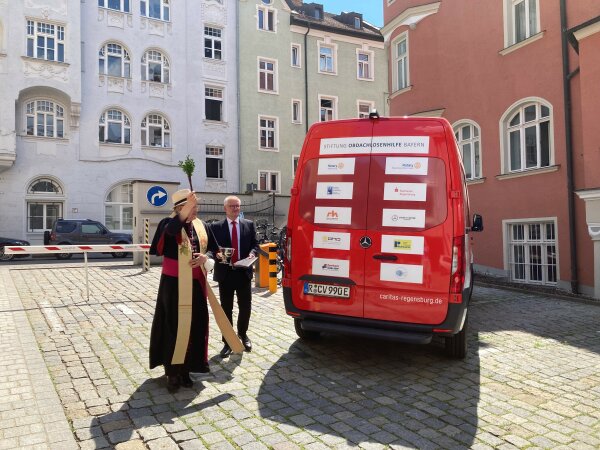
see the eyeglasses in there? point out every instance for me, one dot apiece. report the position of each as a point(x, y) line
point(234, 206)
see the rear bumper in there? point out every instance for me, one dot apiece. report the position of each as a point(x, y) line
point(380, 329)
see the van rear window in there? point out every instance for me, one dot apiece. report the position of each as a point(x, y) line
point(374, 191)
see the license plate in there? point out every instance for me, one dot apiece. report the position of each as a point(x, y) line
point(327, 290)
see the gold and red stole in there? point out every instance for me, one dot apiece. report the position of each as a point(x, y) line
point(185, 286)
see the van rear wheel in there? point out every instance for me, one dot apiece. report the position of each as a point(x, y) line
point(456, 346)
point(305, 334)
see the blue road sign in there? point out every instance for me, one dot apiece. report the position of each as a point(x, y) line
point(157, 196)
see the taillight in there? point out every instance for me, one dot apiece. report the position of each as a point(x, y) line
point(457, 273)
point(287, 256)
point(53, 236)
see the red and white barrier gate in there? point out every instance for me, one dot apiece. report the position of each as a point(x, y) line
point(40, 249)
point(85, 249)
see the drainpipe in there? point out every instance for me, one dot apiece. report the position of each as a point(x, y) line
point(569, 144)
point(237, 69)
point(306, 77)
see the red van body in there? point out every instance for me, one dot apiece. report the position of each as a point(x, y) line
point(378, 233)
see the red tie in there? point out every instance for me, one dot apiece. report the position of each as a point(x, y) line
point(234, 243)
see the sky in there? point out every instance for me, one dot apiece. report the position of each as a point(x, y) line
point(372, 10)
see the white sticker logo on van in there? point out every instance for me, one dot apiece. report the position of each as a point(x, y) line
point(353, 145)
point(414, 218)
point(336, 166)
point(401, 273)
point(406, 166)
point(409, 245)
point(375, 144)
point(400, 144)
point(338, 191)
point(412, 192)
point(333, 215)
point(334, 241)
point(331, 267)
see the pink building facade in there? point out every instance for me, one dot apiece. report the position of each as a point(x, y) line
point(522, 98)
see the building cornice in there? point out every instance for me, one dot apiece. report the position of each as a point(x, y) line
point(409, 17)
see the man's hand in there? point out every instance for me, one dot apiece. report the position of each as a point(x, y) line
point(198, 260)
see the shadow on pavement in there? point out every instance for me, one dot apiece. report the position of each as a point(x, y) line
point(150, 412)
point(368, 391)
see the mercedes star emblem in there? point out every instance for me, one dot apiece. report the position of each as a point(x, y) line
point(365, 242)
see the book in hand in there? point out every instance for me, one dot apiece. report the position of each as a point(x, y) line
point(246, 262)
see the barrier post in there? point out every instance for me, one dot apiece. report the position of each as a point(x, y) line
point(87, 284)
point(146, 264)
point(272, 267)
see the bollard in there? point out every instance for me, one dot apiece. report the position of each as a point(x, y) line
point(146, 265)
point(263, 266)
point(272, 267)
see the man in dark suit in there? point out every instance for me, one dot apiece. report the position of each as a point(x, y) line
point(240, 235)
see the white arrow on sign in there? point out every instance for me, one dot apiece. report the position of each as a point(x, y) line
point(159, 194)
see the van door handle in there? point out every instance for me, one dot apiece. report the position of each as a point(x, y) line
point(386, 257)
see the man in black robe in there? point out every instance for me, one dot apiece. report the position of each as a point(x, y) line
point(180, 233)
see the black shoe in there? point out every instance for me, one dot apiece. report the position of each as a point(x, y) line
point(186, 381)
point(173, 382)
point(226, 351)
point(204, 369)
point(247, 343)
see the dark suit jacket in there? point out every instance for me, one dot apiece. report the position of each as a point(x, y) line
point(247, 244)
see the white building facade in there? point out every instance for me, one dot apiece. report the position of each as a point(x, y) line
point(96, 94)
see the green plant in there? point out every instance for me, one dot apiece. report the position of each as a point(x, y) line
point(188, 165)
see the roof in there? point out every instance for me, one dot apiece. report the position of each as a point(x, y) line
point(330, 22)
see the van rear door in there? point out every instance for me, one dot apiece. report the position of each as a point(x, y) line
point(328, 271)
point(409, 223)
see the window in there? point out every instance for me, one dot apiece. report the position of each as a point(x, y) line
point(400, 49)
point(44, 204)
point(268, 181)
point(357, 23)
point(155, 67)
point(327, 108)
point(365, 108)
point(213, 47)
point(364, 65)
point(117, 5)
point(296, 111)
point(295, 160)
point(45, 118)
point(156, 131)
point(213, 103)
point(155, 9)
point(326, 58)
point(467, 138)
point(533, 252)
point(214, 162)
point(522, 20)
point(114, 127)
point(45, 41)
point(296, 55)
point(527, 137)
point(267, 75)
point(268, 133)
point(118, 208)
point(113, 60)
point(266, 18)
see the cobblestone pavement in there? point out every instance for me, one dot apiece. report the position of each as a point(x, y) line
point(531, 379)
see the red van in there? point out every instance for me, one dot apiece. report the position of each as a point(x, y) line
point(378, 233)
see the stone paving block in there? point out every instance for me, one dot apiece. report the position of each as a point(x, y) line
point(162, 444)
